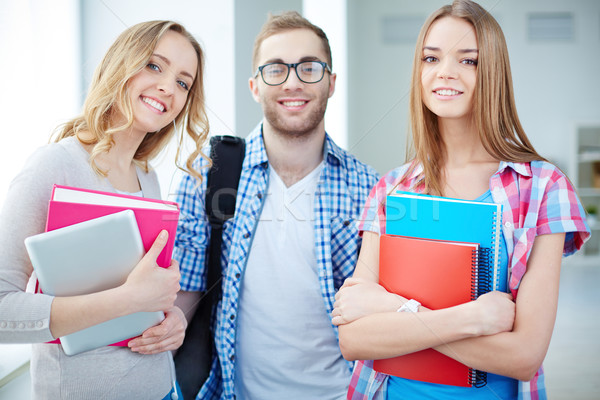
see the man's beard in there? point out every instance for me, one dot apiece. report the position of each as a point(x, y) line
point(294, 128)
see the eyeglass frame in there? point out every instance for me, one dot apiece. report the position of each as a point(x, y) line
point(259, 70)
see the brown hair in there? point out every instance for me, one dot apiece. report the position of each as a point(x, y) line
point(494, 111)
point(284, 22)
point(128, 55)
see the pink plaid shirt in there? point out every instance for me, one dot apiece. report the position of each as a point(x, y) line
point(537, 199)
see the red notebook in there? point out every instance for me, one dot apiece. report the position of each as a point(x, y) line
point(439, 274)
point(70, 205)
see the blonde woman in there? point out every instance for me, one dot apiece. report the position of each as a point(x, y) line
point(148, 84)
point(468, 144)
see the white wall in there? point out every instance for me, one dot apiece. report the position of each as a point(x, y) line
point(554, 82)
point(39, 49)
point(331, 16)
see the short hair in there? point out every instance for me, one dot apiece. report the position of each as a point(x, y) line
point(127, 56)
point(494, 109)
point(286, 21)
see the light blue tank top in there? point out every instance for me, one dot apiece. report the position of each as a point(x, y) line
point(498, 386)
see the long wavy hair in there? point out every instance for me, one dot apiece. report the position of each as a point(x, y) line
point(494, 111)
point(108, 94)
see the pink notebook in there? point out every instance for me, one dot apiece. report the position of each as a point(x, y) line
point(70, 205)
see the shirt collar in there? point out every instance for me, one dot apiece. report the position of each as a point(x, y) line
point(333, 153)
point(255, 148)
point(523, 169)
point(257, 155)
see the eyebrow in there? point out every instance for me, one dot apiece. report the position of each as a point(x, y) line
point(431, 48)
point(168, 62)
point(279, 60)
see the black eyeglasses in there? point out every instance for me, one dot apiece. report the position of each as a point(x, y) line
point(274, 74)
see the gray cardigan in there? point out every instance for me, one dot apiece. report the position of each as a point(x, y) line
point(109, 372)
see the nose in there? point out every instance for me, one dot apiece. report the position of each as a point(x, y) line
point(447, 69)
point(292, 82)
point(167, 84)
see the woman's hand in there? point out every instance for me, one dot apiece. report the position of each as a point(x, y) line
point(496, 312)
point(359, 297)
point(168, 335)
point(150, 287)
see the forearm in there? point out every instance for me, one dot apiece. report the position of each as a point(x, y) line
point(392, 334)
point(188, 302)
point(71, 314)
point(496, 354)
point(520, 352)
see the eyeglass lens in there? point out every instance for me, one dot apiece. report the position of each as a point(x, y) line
point(307, 71)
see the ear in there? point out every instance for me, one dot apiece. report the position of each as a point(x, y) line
point(253, 85)
point(332, 78)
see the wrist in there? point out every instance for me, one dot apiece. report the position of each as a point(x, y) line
point(123, 300)
point(395, 302)
point(473, 325)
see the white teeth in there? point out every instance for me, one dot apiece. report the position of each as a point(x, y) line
point(447, 92)
point(154, 104)
point(293, 103)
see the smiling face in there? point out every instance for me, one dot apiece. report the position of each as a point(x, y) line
point(449, 68)
point(159, 91)
point(293, 108)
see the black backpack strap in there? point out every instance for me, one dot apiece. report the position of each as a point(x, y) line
point(194, 358)
point(227, 154)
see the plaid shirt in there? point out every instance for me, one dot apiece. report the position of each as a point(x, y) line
point(342, 190)
point(536, 199)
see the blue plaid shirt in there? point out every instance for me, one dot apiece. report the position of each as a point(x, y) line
point(342, 190)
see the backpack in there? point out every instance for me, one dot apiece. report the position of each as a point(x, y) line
point(193, 360)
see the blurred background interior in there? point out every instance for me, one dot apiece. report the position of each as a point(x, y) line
point(50, 49)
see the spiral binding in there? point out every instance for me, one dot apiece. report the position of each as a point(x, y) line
point(477, 378)
point(485, 271)
point(495, 251)
point(474, 273)
point(482, 279)
point(481, 273)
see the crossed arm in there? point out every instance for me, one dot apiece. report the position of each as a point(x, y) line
point(493, 333)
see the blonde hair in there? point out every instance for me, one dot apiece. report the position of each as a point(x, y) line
point(494, 111)
point(127, 56)
point(286, 21)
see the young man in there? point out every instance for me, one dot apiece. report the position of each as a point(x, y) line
point(293, 240)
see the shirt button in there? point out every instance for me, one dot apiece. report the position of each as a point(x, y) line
point(39, 324)
point(12, 325)
point(508, 224)
point(346, 223)
point(3, 324)
point(30, 324)
point(237, 276)
point(21, 325)
point(259, 195)
point(231, 358)
point(246, 235)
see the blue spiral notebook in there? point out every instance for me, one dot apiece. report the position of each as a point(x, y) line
point(442, 218)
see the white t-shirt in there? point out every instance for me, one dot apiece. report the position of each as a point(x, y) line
point(285, 346)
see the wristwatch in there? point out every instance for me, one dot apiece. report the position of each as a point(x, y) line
point(410, 306)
